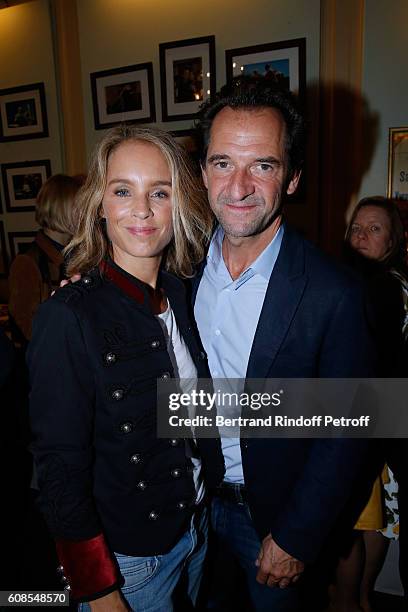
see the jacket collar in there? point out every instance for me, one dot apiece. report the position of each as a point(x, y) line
point(284, 292)
point(47, 246)
point(130, 285)
point(136, 289)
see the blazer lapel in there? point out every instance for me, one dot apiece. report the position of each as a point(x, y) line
point(284, 292)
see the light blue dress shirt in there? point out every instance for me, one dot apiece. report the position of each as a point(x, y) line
point(227, 314)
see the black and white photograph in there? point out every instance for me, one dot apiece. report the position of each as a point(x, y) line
point(21, 183)
point(123, 95)
point(23, 113)
point(187, 76)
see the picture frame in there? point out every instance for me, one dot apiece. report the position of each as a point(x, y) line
point(123, 95)
point(188, 140)
point(283, 62)
point(4, 264)
point(23, 113)
point(398, 164)
point(22, 182)
point(20, 241)
point(187, 76)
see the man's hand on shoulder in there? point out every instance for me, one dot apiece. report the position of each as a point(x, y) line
point(277, 567)
point(73, 279)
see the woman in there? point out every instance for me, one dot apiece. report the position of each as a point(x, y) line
point(116, 498)
point(34, 274)
point(376, 248)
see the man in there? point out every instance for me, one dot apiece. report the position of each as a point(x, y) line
point(268, 304)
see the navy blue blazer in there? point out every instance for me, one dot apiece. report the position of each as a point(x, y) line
point(312, 324)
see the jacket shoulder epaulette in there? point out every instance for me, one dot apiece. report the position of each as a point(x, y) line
point(76, 293)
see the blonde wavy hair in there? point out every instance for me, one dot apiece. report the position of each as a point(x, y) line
point(192, 216)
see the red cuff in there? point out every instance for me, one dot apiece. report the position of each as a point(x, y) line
point(88, 566)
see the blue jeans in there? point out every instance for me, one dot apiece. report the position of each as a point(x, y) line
point(233, 526)
point(151, 581)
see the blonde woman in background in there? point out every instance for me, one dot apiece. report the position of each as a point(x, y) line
point(37, 272)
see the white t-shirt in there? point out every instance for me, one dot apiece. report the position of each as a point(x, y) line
point(186, 371)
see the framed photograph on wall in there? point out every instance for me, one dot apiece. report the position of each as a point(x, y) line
point(282, 62)
point(3, 253)
point(22, 181)
point(188, 140)
point(23, 113)
point(123, 95)
point(20, 241)
point(187, 76)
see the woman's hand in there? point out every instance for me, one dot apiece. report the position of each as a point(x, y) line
point(114, 602)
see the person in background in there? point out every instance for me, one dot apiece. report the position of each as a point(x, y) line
point(35, 273)
point(33, 276)
point(376, 249)
point(117, 499)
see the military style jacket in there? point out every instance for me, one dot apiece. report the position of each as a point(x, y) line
point(107, 483)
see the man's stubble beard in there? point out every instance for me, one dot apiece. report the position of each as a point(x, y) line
point(249, 228)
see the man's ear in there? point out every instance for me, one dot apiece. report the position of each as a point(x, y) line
point(204, 175)
point(294, 182)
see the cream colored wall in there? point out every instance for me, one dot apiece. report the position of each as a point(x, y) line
point(26, 50)
point(116, 33)
point(384, 81)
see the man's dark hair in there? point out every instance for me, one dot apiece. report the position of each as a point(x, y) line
point(247, 93)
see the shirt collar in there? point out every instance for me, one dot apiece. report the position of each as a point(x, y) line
point(49, 247)
point(263, 264)
point(214, 252)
